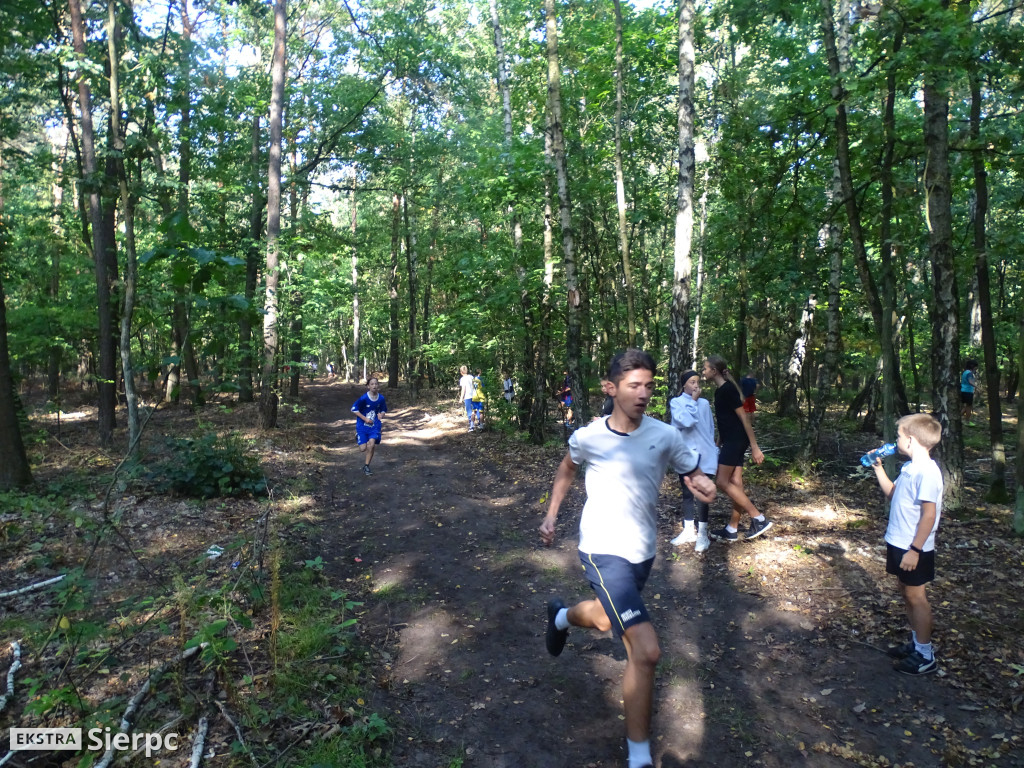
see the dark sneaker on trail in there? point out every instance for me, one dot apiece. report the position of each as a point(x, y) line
point(901, 651)
point(916, 664)
point(723, 534)
point(757, 527)
point(366, 469)
point(555, 637)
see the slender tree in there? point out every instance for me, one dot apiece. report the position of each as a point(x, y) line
point(620, 183)
point(268, 395)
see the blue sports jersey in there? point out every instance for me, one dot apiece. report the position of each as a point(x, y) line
point(371, 408)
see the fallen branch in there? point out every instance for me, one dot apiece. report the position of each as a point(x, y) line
point(200, 742)
point(133, 705)
point(238, 731)
point(6, 757)
point(15, 666)
point(32, 587)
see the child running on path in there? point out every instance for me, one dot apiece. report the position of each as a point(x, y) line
point(914, 510)
point(627, 455)
point(691, 415)
point(735, 435)
point(368, 409)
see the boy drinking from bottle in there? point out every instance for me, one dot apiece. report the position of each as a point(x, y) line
point(914, 511)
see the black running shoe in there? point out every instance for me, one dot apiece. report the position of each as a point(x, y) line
point(916, 664)
point(757, 527)
point(555, 637)
point(902, 651)
point(723, 534)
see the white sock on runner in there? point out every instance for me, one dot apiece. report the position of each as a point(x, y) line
point(639, 753)
point(562, 619)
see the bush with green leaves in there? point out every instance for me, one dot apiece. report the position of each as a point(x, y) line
point(211, 465)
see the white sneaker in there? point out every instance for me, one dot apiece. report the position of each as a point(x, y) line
point(688, 536)
point(703, 542)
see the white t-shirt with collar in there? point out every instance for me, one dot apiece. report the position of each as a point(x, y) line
point(623, 478)
point(918, 481)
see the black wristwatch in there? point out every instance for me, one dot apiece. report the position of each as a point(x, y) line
point(919, 551)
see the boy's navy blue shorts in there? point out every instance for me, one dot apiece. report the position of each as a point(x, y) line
point(924, 573)
point(618, 584)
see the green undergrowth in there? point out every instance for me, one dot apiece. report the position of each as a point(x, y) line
point(280, 651)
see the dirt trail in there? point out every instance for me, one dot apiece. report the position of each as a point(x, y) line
point(442, 541)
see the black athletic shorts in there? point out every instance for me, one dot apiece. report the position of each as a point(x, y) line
point(924, 573)
point(731, 453)
point(967, 398)
point(618, 583)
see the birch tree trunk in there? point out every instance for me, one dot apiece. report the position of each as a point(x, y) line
point(699, 287)
point(997, 488)
point(268, 395)
point(355, 286)
point(539, 409)
point(945, 318)
point(620, 185)
point(106, 385)
point(679, 317)
point(573, 342)
point(410, 268)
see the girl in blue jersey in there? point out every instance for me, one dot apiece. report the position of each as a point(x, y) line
point(368, 409)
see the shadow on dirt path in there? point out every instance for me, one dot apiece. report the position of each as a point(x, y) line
point(442, 541)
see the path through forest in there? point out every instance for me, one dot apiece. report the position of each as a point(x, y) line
point(441, 544)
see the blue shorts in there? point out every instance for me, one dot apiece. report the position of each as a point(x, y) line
point(478, 406)
point(365, 434)
point(618, 584)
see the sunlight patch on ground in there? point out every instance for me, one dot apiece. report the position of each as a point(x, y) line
point(64, 416)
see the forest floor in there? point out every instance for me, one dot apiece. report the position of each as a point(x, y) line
point(773, 651)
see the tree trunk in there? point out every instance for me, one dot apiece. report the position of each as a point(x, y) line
point(620, 185)
point(997, 487)
point(789, 404)
point(268, 395)
point(410, 269)
point(945, 319)
point(538, 413)
point(128, 216)
point(91, 188)
point(1018, 509)
point(252, 268)
point(355, 282)
point(15, 471)
point(856, 231)
point(574, 296)
point(393, 284)
point(698, 293)
point(679, 317)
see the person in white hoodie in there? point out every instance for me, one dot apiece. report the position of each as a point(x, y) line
point(691, 415)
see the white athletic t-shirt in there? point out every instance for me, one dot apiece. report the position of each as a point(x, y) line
point(918, 481)
point(466, 387)
point(624, 474)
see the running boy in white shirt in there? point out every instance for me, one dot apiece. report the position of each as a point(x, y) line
point(914, 512)
point(627, 455)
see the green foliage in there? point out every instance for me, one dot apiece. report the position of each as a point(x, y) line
point(211, 465)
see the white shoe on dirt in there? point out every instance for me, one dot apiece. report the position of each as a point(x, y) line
point(688, 536)
point(703, 541)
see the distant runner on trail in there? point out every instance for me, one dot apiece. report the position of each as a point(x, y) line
point(749, 385)
point(627, 455)
point(467, 384)
point(368, 409)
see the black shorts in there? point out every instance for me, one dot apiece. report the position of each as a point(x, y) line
point(731, 453)
point(618, 583)
point(967, 398)
point(924, 573)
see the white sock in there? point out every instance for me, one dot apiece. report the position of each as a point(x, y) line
point(730, 529)
point(760, 518)
point(925, 649)
point(702, 527)
point(639, 753)
point(687, 525)
point(562, 619)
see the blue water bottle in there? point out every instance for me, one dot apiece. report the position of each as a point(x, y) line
point(871, 457)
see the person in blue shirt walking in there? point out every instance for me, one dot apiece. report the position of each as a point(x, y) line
point(968, 383)
point(368, 409)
